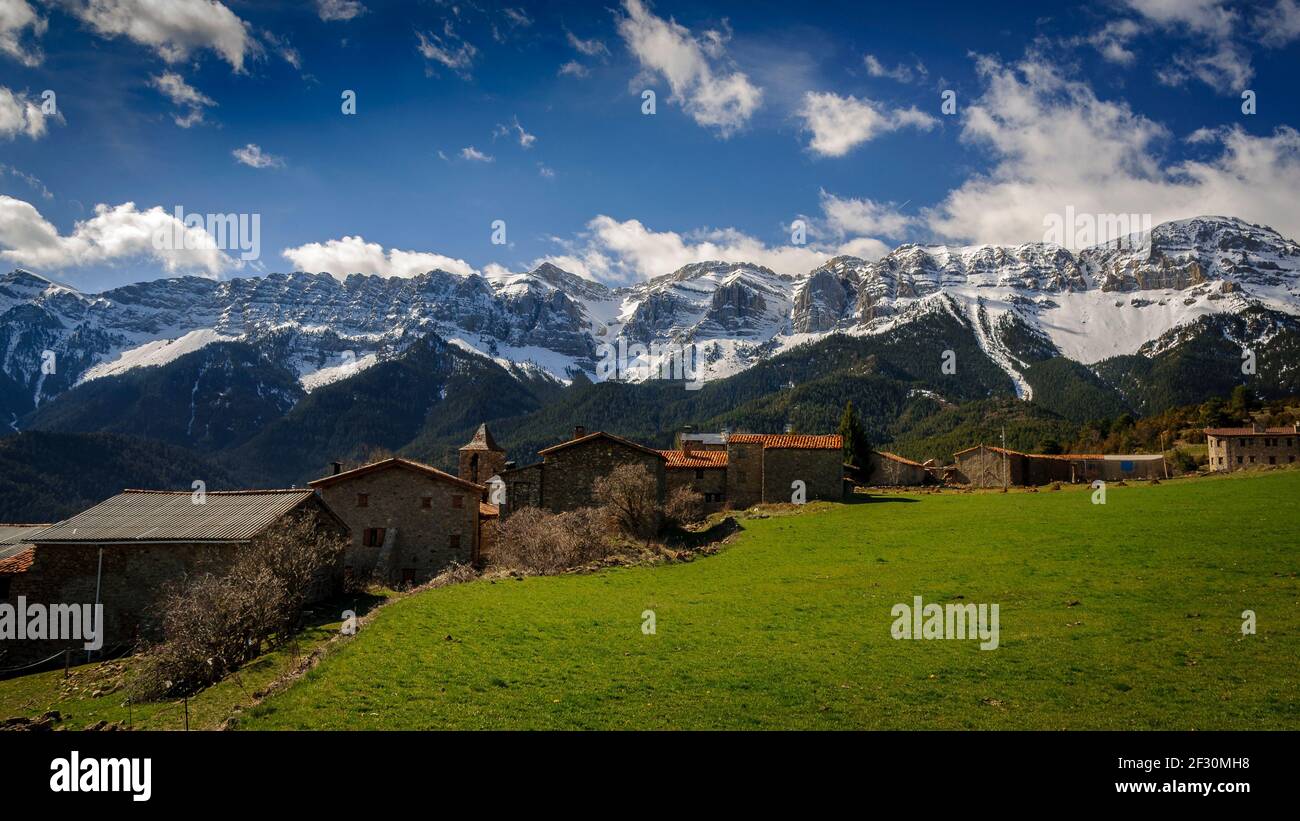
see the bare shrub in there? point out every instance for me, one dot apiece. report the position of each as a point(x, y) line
point(539, 541)
point(630, 496)
point(684, 507)
point(215, 623)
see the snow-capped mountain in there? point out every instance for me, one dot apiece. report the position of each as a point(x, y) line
point(1090, 305)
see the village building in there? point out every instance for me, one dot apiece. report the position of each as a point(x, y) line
point(16, 553)
point(409, 520)
point(565, 478)
point(701, 470)
point(886, 469)
point(764, 467)
point(1256, 446)
point(481, 458)
point(989, 466)
point(126, 551)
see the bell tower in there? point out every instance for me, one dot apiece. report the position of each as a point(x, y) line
point(481, 458)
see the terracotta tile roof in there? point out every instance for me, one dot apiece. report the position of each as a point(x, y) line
point(593, 436)
point(1250, 432)
point(488, 511)
point(797, 441)
point(697, 459)
point(396, 462)
point(172, 516)
point(20, 562)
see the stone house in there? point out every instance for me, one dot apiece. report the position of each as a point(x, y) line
point(988, 466)
point(704, 471)
point(16, 554)
point(126, 551)
point(1252, 447)
point(886, 469)
point(564, 479)
point(763, 467)
point(409, 520)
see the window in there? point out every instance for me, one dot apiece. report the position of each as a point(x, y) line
point(454, 541)
point(4, 587)
point(1239, 460)
point(1288, 442)
point(363, 500)
point(699, 474)
point(372, 537)
point(408, 575)
point(1272, 460)
point(458, 501)
point(426, 503)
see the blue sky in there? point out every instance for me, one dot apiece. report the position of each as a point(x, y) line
point(531, 113)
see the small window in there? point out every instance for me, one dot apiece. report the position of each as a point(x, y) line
point(408, 575)
point(363, 500)
point(372, 537)
point(699, 474)
point(1239, 460)
point(454, 541)
point(427, 503)
point(4, 587)
point(458, 501)
point(1272, 460)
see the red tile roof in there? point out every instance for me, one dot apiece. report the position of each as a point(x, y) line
point(896, 458)
point(18, 563)
point(797, 441)
point(487, 510)
point(1250, 432)
point(1068, 457)
point(696, 459)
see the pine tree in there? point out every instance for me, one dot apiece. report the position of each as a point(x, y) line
point(857, 449)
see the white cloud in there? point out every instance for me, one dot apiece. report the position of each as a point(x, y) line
point(626, 251)
point(283, 48)
point(31, 180)
point(573, 69)
point(471, 153)
point(21, 115)
point(184, 95)
point(591, 48)
point(353, 255)
point(1113, 39)
point(1279, 24)
point(449, 49)
point(714, 95)
point(254, 157)
point(115, 234)
point(545, 172)
point(517, 17)
point(172, 28)
point(839, 124)
point(15, 17)
point(849, 216)
point(900, 72)
point(1055, 144)
point(526, 140)
point(1203, 16)
point(331, 10)
point(1217, 58)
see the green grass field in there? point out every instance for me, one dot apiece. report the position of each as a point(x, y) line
point(1123, 615)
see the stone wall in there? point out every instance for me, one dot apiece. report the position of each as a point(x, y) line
point(418, 512)
point(886, 472)
point(708, 482)
point(523, 488)
point(1230, 453)
point(745, 474)
point(821, 471)
point(570, 472)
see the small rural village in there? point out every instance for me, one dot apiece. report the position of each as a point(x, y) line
point(400, 524)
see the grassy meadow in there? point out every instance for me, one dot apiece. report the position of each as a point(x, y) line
point(1125, 615)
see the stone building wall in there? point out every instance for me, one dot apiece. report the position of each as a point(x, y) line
point(523, 488)
point(419, 513)
point(570, 472)
point(1229, 453)
point(709, 482)
point(886, 472)
point(821, 471)
point(745, 474)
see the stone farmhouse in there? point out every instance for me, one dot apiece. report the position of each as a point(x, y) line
point(124, 551)
point(408, 520)
point(701, 470)
point(988, 466)
point(763, 467)
point(1255, 446)
point(891, 470)
point(563, 480)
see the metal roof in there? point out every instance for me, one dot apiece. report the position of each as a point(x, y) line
point(11, 535)
point(174, 516)
point(396, 462)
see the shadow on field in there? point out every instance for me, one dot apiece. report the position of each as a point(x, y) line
point(868, 499)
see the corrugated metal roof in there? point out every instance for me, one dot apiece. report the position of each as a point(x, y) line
point(173, 516)
point(18, 534)
point(705, 438)
point(894, 457)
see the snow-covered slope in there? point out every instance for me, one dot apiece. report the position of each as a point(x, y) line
point(1088, 306)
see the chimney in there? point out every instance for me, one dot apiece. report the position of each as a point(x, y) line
point(338, 467)
point(579, 431)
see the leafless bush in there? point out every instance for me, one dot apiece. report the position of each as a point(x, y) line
point(684, 507)
point(215, 623)
point(538, 541)
point(630, 496)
